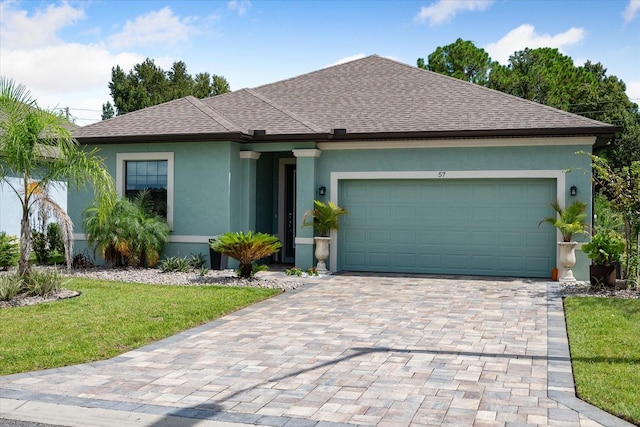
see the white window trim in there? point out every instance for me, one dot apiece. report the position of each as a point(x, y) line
point(121, 158)
point(558, 175)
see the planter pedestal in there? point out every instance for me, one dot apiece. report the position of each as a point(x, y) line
point(567, 251)
point(322, 253)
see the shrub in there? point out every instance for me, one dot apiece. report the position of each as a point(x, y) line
point(126, 232)
point(196, 261)
point(10, 286)
point(9, 251)
point(39, 246)
point(54, 238)
point(293, 271)
point(82, 261)
point(246, 248)
point(173, 264)
point(42, 283)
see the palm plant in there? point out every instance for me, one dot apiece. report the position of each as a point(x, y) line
point(569, 220)
point(36, 146)
point(324, 217)
point(127, 233)
point(246, 248)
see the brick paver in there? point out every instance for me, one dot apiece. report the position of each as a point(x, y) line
point(351, 349)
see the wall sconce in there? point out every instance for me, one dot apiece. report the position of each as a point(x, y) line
point(573, 191)
point(322, 190)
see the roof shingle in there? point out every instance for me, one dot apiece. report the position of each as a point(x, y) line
point(373, 95)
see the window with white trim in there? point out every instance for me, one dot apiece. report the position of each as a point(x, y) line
point(152, 172)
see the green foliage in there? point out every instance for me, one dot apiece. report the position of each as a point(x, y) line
point(9, 250)
point(605, 247)
point(54, 238)
point(107, 111)
point(605, 356)
point(569, 220)
point(108, 319)
point(621, 186)
point(325, 217)
point(175, 264)
point(10, 286)
point(197, 261)
point(312, 271)
point(39, 246)
point(42, 283)
point(147, 84)
point(246, 248)
point(462, 60)
point(606, 218)
point(293, 271)
point(125, 232)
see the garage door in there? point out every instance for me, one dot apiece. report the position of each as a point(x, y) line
point(467, 226)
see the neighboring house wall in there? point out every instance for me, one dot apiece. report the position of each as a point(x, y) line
point(11, 210)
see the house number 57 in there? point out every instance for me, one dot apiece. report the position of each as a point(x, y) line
point(441, 174)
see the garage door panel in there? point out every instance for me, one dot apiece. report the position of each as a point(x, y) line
point(484, 226)
point(355, 236)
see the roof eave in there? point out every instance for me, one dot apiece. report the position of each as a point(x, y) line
point(603, 135)
point(189, 137)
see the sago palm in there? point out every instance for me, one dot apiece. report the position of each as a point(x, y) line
point(246, 248)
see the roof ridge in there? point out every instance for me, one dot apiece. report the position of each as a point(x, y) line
point(280, 108)
point(214, 114)
point(328, 67)
point(507, 95)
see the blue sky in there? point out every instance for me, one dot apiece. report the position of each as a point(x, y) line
point(64, 51)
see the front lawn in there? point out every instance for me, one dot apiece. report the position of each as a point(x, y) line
point(604, 335)
point(108, 319)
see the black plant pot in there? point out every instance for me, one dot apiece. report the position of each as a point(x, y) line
point(602, 275)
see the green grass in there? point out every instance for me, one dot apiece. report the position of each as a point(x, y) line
point(108, 319)
point(604, 334)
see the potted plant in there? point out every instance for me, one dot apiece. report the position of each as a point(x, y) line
point(569, 221)
point(324, 218)
point(605, 249)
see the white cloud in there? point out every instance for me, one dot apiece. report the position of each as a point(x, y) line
point(157, 27)
point(630, 12)
point(633, 91)
point(525, 36)
point(347, 59)
point(18, 30)
point(444, 10)
point(239, 6)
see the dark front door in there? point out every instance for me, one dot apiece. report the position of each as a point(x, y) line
point(288, 249)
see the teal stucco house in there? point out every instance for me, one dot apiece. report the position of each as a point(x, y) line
point(439, 175)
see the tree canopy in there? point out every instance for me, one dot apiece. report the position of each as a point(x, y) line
point(547, 76)
point(462, 60)
point(147, 84)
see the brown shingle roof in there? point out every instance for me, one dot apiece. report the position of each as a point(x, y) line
point(370, 97)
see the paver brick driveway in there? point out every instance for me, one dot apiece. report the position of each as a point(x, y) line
point(350, 349)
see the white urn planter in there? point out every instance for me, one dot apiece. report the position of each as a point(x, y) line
point(322, 253)
point(567, 255)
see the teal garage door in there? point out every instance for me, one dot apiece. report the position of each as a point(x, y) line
point(467, 226)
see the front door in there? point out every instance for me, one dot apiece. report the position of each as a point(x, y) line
point(287, 210)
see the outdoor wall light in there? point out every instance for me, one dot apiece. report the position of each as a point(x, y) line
point(573, 191)
point(322, 190)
